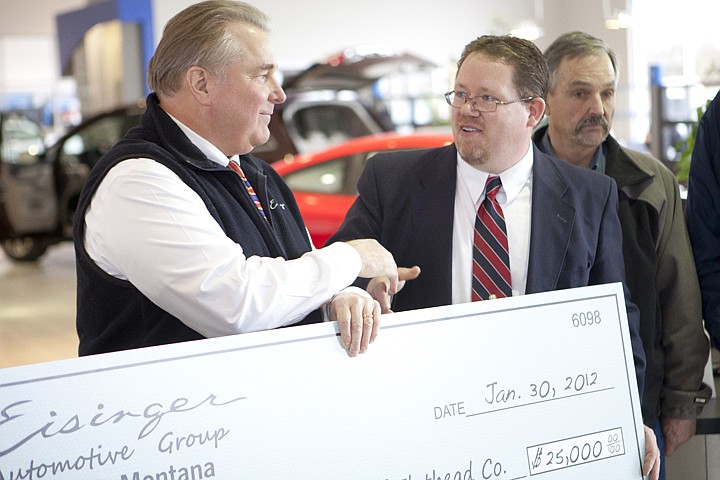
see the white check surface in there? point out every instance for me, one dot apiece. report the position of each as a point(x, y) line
point(538, 386)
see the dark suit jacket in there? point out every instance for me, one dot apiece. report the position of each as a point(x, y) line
point(406, 202)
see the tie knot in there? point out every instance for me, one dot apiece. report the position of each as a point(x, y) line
point(492, 185)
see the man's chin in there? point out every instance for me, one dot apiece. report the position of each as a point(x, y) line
point(472, 156)
point(592, 138)
point(259, 140)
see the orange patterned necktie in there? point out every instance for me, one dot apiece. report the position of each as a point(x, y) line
point(248, 187)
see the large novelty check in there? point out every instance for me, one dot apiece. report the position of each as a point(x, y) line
point(540, 386)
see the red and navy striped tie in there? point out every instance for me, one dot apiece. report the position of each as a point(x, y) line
point(491, 260)
point(248, 187)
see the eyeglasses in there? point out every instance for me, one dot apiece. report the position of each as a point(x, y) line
point(483, 103)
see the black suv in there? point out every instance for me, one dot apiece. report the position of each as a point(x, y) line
point(328, 103)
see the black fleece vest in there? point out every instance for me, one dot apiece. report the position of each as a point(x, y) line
point(112, 314)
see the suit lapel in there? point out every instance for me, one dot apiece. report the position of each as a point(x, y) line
point(552, 221)
point(432, 225)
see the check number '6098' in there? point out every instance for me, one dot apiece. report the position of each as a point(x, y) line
point(585, 319)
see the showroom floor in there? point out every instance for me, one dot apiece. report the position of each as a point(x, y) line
point(37, 308)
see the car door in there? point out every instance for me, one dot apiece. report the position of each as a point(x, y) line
point(79, 150)
point(27, 191)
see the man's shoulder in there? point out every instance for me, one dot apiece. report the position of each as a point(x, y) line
point(415, 156)
point(404, 163)
point(652, 164)
point(642, 161)
point(574, 176)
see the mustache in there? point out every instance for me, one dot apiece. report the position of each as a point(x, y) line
point(593, 121)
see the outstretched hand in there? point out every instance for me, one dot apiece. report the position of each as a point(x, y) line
point(380, 287)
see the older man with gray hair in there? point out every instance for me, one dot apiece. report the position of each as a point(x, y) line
point(659, 264)
point(175, 238)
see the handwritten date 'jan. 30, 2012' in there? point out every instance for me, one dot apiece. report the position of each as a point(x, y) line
point(537, 386)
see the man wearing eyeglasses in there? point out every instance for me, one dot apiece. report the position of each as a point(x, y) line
point(560, 222)
point(658, 258)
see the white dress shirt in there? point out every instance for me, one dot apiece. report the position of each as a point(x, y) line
point(515, 199)
point(145, 225)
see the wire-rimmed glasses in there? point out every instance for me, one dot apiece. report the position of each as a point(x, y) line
point(482, 103)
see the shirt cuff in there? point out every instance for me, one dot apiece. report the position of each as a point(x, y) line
point(345, 291)
point(345, 259)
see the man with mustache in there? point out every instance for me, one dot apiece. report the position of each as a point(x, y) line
point(659, 264)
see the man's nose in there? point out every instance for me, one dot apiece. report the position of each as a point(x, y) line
point(470, 108)
point(277, 96)
point(596, 106)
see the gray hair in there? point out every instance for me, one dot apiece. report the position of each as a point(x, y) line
point(530, 71)
point(200, 36)
point(573, 45)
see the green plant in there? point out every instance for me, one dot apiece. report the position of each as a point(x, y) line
point(685, 147)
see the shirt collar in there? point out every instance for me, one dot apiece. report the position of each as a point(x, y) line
point(208, 149)
point(597, 163)
point(513, 179)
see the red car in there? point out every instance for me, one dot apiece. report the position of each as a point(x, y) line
point(324, 182)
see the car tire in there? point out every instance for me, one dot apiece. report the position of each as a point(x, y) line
point(24, 249)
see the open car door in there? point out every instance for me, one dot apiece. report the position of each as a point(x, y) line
point(27, 192)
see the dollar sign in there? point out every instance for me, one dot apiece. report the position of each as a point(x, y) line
point(538, 460)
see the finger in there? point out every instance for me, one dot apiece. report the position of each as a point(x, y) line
point(655, 469)
point(649, 466)
point(376, 322)
point(405, 274)
point(367, 328)
point(393, 284)
point(356, 328)
point(342, 315)
point(378, 290)
point(377, 287)
point(651, 463)
point(411, 273)
point(384, 303)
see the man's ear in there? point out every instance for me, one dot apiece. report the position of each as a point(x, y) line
point(537, 110)
point(197, 80)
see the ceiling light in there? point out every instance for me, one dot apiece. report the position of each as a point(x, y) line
point(528, 30)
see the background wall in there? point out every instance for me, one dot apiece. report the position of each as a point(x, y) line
point(313, 29)
point(678, 36)
point(29, 68)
